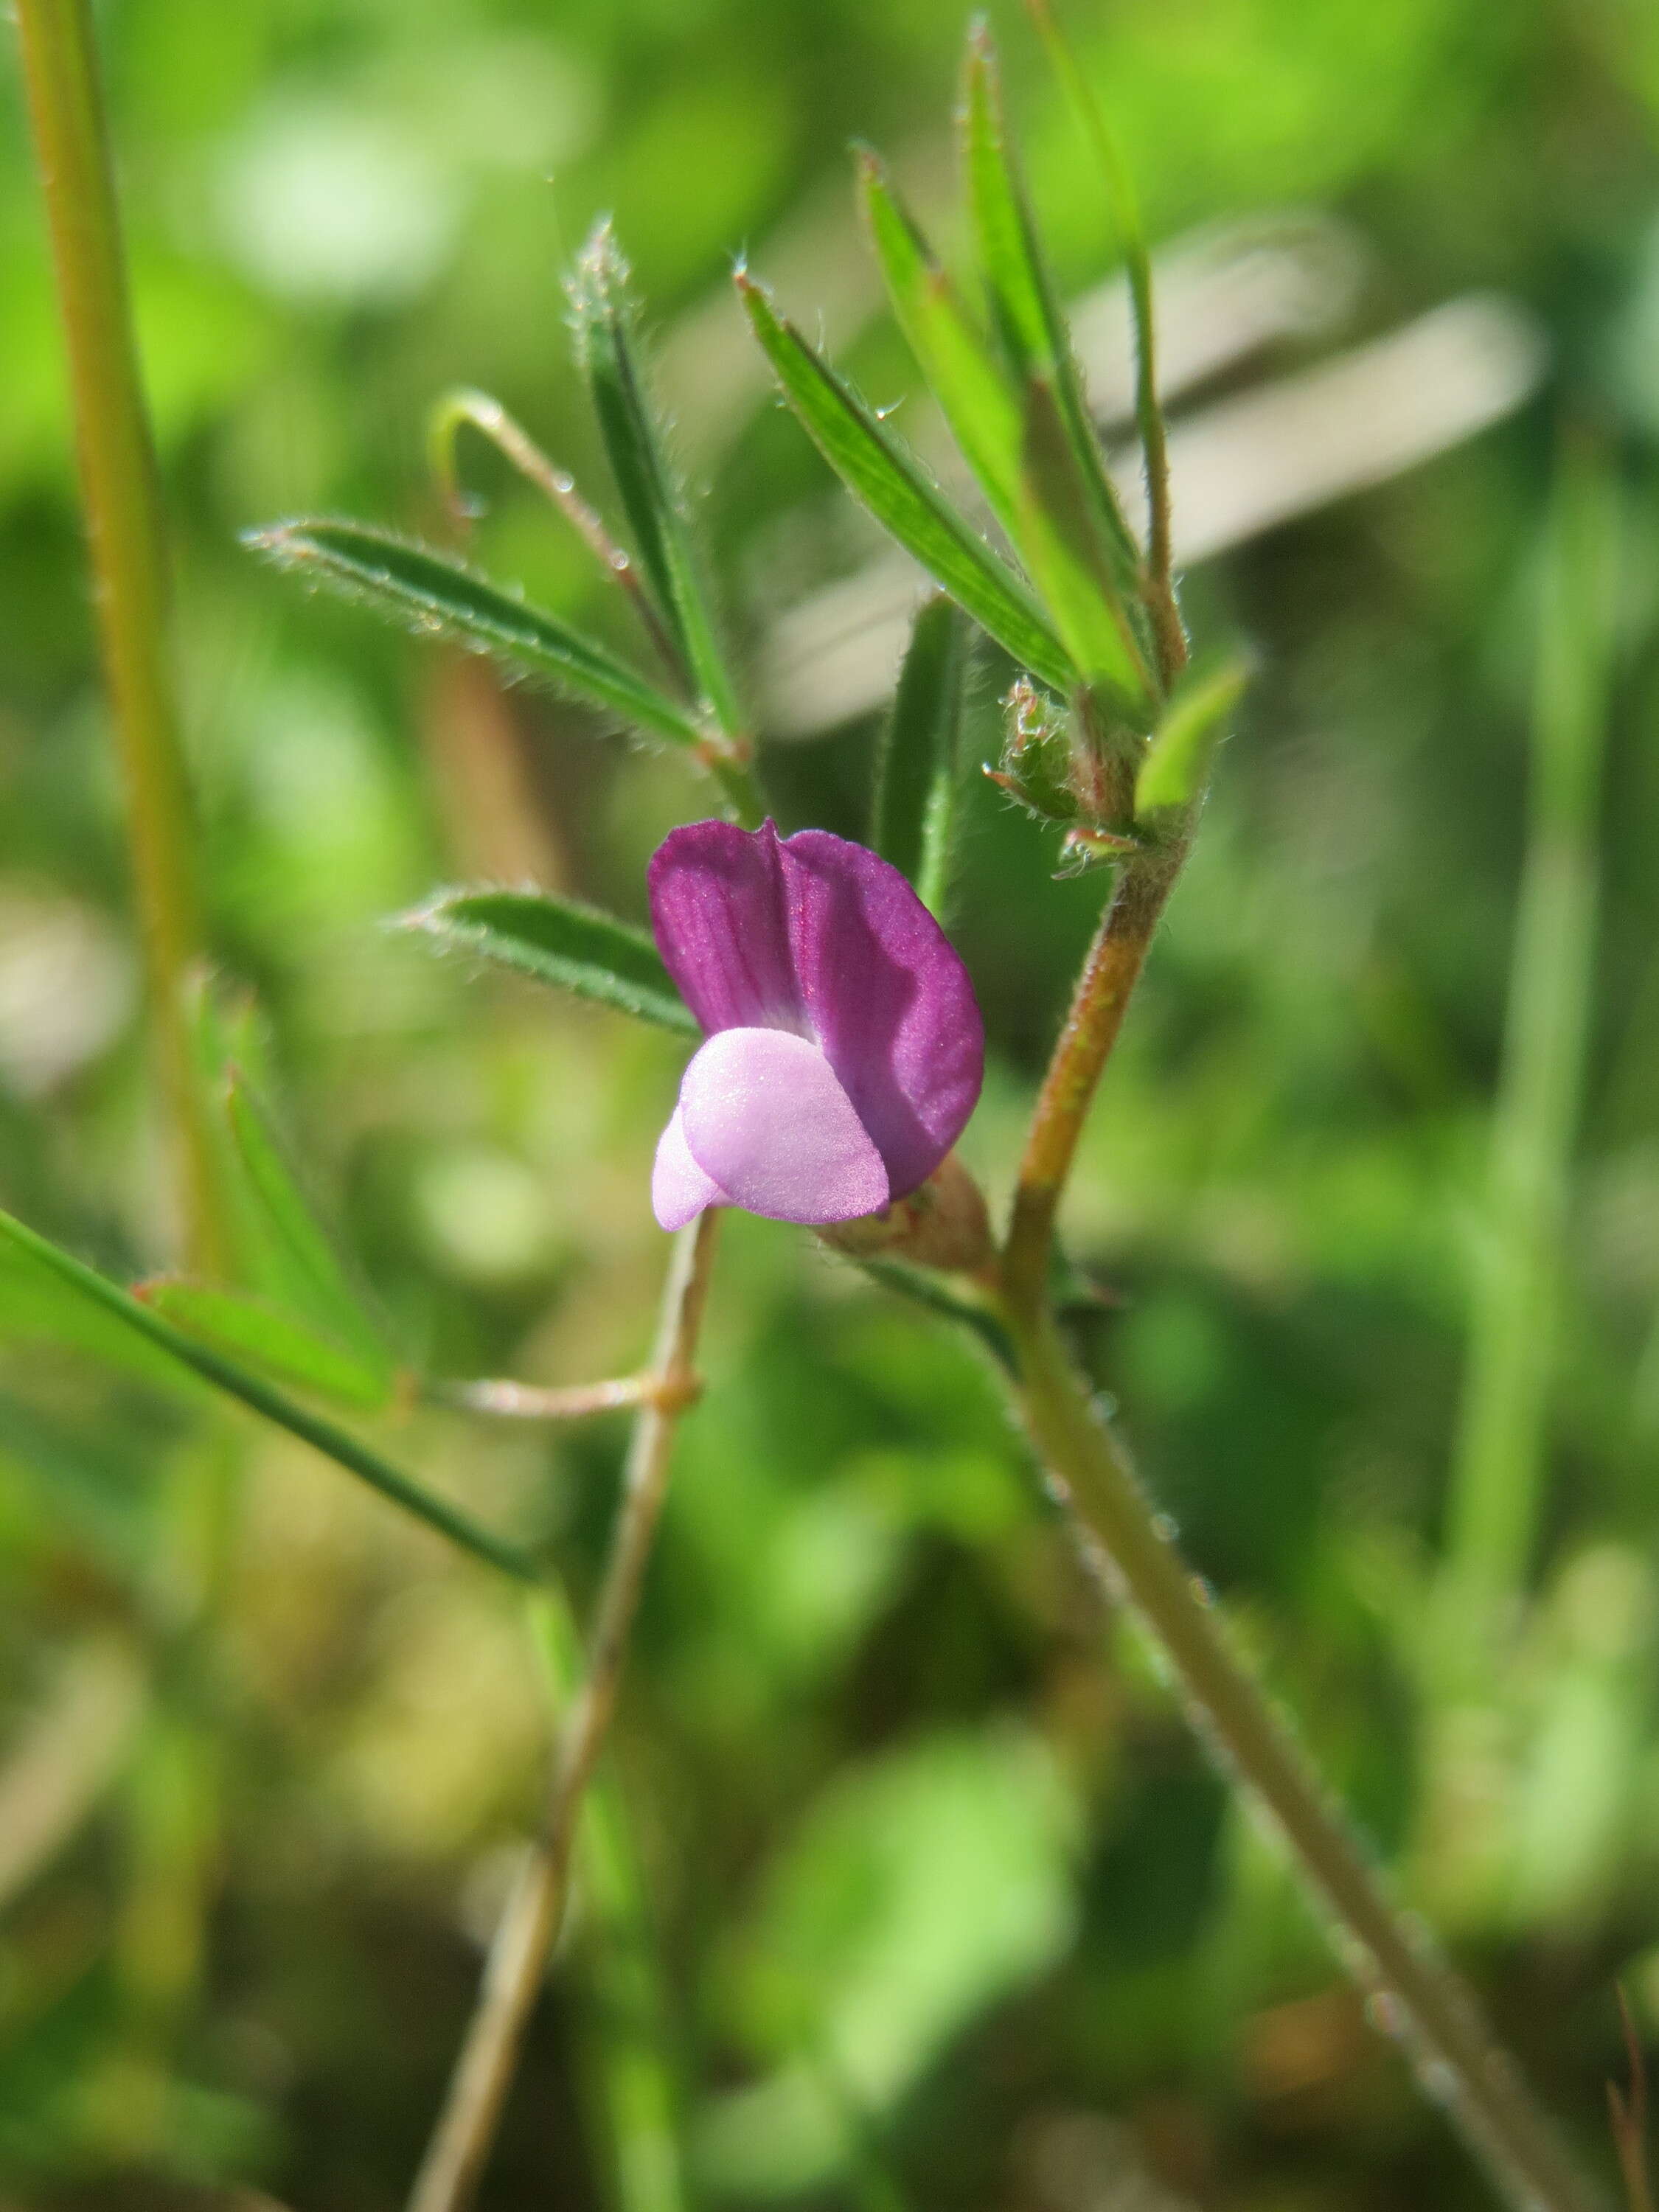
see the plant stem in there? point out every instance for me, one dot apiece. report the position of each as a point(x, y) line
point(640, 2092)
point(1110, 970)
point(121, 495)
point(534, 1914)
point(729, 766)
point(1415, 1993)
point(529, 1401)
point(1499, 1464)
point(491, 419)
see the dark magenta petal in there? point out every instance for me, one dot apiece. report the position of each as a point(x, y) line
point(717, 907)
point(888, 998)
point(766, 1121)
point(818, 938)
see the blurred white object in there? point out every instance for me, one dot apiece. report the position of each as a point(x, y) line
point(318, 200)
point(67, 987)
point(62, 1757)
point(1290, 446)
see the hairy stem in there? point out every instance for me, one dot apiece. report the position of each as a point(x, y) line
point(1110, 971)
point(534, 1914)
point(122, 499)
point(491, 419)
point(1416, 1994)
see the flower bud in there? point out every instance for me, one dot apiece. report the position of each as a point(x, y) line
point(942, 1223)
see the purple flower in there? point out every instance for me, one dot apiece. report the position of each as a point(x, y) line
point(845, 1049)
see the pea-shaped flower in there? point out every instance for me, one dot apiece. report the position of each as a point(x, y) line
point(845, 1049)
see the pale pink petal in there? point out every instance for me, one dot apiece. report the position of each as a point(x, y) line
point(769, 1124)
point(679, 1189)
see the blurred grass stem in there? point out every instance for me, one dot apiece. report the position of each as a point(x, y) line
point(121, 495)
point(534, 1914)
point(1500, 1461)
point(638, 2092)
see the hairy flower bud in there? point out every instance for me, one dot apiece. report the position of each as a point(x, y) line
point(943, 1223)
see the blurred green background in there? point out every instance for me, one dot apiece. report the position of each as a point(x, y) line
point(927, 1895)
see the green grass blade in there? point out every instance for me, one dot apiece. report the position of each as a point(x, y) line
point(1178, 762)
point(559, 941)
point(908, 505)
point(437, 597)
point(294, 1257)
point(1501, 1459)
point(264, 1398)
point(919, 771)
point(290, 1351)
point(606, 321)
point(1025, 308)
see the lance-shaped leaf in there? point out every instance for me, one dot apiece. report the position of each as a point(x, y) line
point(559, 941)
point(963, 372)
point(287, 1349)
point(1177, 761)
point(919, 770)
point(185, 1355)
point(1024, 305)
point(437, 597)
point(607, 322)
point(1022, 454)
point(1061, 537)
point(1131, 234)
point(878, 472)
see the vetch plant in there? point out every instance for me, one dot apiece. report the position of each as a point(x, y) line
point(841, 1045)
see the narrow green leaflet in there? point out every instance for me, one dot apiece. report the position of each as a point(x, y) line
point(224, 1374)
point(1024, 305)
point(287, 1349)
point(292, 1256)
point(559, 941)
point(878, 471)
point(437, 597)
point(1132, 232)
point(1178, 762)
point(919, 770)
point(606, 326)
point(963, 373)
point(1069, 558)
